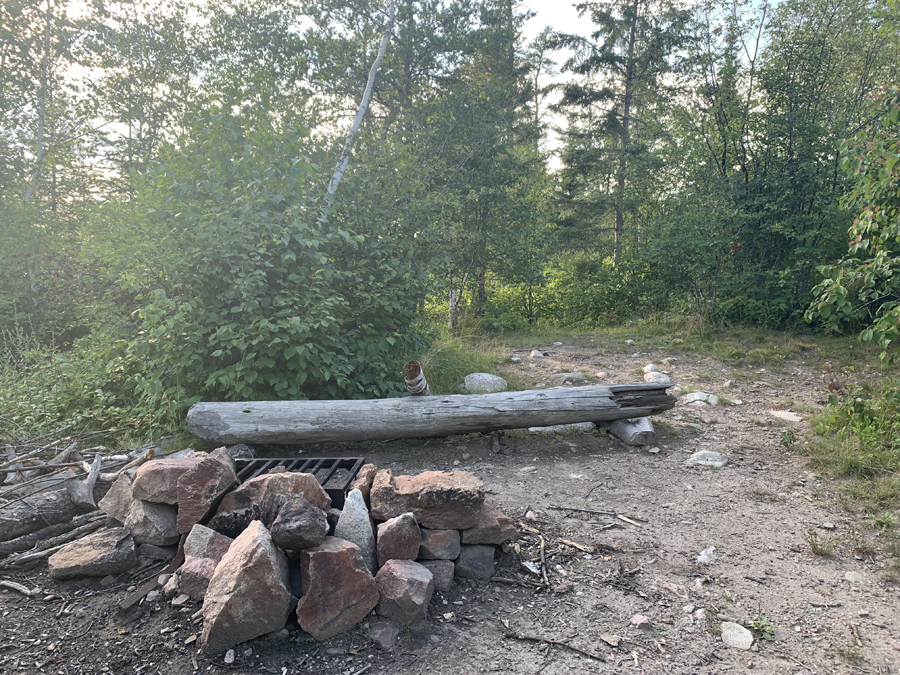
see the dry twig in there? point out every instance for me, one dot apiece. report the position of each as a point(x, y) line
point(548, 641)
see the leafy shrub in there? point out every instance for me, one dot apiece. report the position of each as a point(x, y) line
point(240, 290)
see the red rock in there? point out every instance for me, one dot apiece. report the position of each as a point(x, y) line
point(248, 594)
point(442, 571)
point(194, 576)
point(384, 634)
point(157, 480)
point(96, 555)
point(439, 544)
point(475, 562)
point(339, 590)
point(363, 480)
point(118, 500)
point(398, 539)
point(203, 542)
point(201, 488)
point(152, 523)
point(493, 528)
point(299, 525)
point(203, 549)
point(261, 498)
point(405, 588)
point(440, 500)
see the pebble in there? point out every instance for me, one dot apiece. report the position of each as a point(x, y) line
point(653, 451)
point(108, 580)
point(528, 469)
point(864, 613)
point(707, 458)
point(736, 636)
point(535, 354)
point(827, 526)
point(641, 621)
point(853, 577)
point(248, 652)
point(182, 599)
point(515, 359)
point(229, 657)
point(669, 359)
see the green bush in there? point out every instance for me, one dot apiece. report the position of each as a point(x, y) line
point(238, 288)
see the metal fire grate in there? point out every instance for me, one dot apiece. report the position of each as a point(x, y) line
point(333, 473)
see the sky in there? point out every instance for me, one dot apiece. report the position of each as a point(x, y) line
point(560, 16)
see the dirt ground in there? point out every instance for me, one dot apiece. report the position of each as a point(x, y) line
point(825, 613)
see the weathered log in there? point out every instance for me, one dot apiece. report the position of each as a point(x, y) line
point(82, 491)
point(37, 511)
point(634, 432)
point(416, 417)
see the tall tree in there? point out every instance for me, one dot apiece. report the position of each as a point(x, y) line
point(619, 72)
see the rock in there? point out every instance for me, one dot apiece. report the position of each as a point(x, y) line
point(204, 542)
point(157, 480)
point(248, 595)
point(535, 354)
point(405, 589)
point(483, 383)
point(650, 368)
point(261, 498)
point(439, 544)
point(156, 552)
point(152, 523)
point(333, 515)
point(442, 571)
point(853, 577)
point(475, 562)
point(118, 500)
point(96, 555)
point(559, 379)
point(239, 451)
point(181, 600)
point(707, 556)
point(730, 384)
point(493, 528)
point(707, 458)
point(201, 488)
point(584, 427)
point(786, 415)
point(203, 550)
point(641, 622)
point(668, 360)
point(339, 590)
point(734, 635)
point(194, 576)
point(700, 397)
point(229, 657)
point(384, 634)
point(398, 539)
point(171, 587)
point(658, 378)
point(653, 451)
point(439, 500)
point(515, 359)
point(611, 640)
point(363, 480)
point(638, 431)
point(299, 525)
point(355, 526)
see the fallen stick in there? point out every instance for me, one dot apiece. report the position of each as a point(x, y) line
point(612, 514)
point(27, 541)
point(516, 582)
point(548, 641)
point(575, 545)
point(24, 590)
point(82, 491)
point(544, 562)
point(50, 546)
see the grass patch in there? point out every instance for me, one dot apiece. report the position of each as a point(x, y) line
point(450, 359)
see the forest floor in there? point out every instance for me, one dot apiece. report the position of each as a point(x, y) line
point(765, 513)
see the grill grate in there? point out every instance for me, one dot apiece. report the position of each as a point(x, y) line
point(333, 473)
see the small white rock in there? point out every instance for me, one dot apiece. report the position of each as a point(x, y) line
point(650, 368)
point(535, 354)
point(736, 636)
point(229, 657)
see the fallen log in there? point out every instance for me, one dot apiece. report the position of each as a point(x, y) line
point(422, 416)
point(41, 510)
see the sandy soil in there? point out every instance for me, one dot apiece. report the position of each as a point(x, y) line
point(760, 512)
